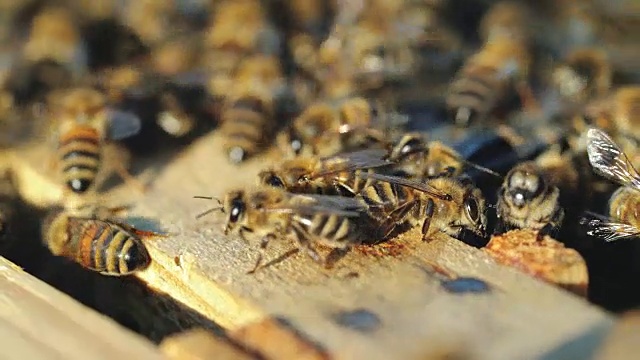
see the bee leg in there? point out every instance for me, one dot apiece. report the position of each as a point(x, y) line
point(427, 218)
point(395, 218)
point(546, 230)
point(304, 241)
point(263, 246)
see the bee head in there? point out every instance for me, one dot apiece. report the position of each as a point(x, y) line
point(409, 144)
point(474, 211)
point(235, 207)
point(271, 178)
point(523, 184)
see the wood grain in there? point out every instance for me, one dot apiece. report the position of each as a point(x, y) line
point(409, 313)
point(39, 322)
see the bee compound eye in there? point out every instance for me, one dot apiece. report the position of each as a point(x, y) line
point(237, 209)
point(471, 207)
point(275, 181)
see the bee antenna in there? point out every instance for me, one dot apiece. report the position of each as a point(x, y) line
point(481, 168)
point(209, 211)
point(208, 198)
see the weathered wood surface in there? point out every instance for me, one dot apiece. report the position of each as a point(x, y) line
point(200, 344)
point(39, 322)
point(371, 305)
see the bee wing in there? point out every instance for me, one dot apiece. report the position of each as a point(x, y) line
point(363, 159)
point(122, 124)
point(611, 231)
point(420, 186)
point(321, 204)
point(608, 160)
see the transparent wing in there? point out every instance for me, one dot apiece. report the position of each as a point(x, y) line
point(608, 160)
point(320, 204)
point(122, 124)
point(420, 186)
point(363, 159)
point(610, 231)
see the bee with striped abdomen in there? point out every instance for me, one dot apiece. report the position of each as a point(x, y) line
point(608, 160)
point(97, 242)
point(502, 64)
point(333, 175)
point(327, 128)
point(418, 158)
point(84, 126)
point(250, 107)
point(443, 204)
point(268, 213)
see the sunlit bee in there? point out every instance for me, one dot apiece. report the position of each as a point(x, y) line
point(84, 125)
point(267, 214)
point(608, 160)
point(440, 205)
point(334, 175)
point(98, 244)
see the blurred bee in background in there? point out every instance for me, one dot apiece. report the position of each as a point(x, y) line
point(334, 175)
point(616, 114)
point(330, 127)
point(238, 29)
point(585, 74)
point(152, 20)
point(446, 205)
point(608, 160)
point(249, 109)
point(267, 214)
point(84, 127)
point(502, 64)
point(420, 159)
point(97, 241)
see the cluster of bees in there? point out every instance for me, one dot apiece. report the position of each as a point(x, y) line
point(325, 84)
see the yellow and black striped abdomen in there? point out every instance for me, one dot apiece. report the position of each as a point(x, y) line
point(79, 154)
point(332, 230)
point(106, 247)
point(246, 125)
point(474, 93)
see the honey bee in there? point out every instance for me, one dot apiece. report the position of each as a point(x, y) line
point(239, 29)
point(334, 175)
point(248, 113)
point(527, 199)
point(84, 126)
point(328, 128)
point(503, 63)
point(446, 205)
point(585, 74)
point(97, 242)
point(615, 114)
point(608, 160)
point(418, 158)
point(271, 213)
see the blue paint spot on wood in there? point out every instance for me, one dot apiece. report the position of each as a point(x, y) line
point(361, 320)
point(465, 285)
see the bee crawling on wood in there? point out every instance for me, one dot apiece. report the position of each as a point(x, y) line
point(443, 204)
point(608, 160)
point(333, 175)
point(93, 238)
point(270, 214)
point(84, 126)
